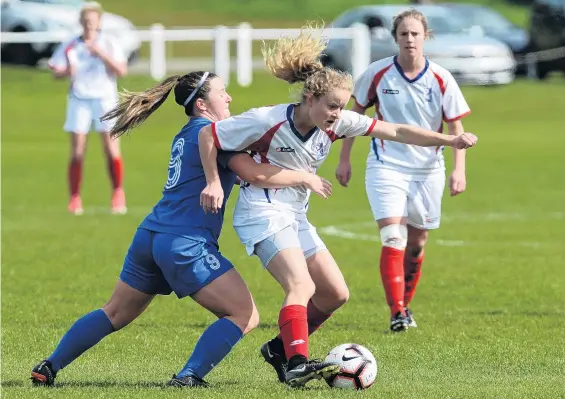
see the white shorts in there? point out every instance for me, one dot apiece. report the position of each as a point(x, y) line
point(82, 112)
point(253, 230)
point(394, 194)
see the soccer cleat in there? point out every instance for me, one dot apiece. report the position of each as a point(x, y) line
point(43, 374)
point(119, 202)
point(75, 205)
point(410, 318)
point(275, 359)
point(190, 381)
point(398, 323)
point(310, 370)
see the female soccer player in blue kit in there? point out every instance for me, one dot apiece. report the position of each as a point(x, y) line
point(175, 248)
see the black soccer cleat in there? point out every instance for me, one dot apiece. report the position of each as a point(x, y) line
point(275, 359)
point(310, 370)
point(398, 323)
point(410, 318)
point(190, 381)
point(43, 374)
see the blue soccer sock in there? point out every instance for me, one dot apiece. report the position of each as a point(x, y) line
point(84, 334)
point(212, 347)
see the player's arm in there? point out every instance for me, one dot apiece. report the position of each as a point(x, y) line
point(415, 135)
point(59, 63)
point(235, 133)
point(264, 175)
point(212, 198)
point(343, 170)
point(455, 128)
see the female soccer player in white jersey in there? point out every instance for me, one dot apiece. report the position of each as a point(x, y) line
point(176, 249)
point(272, 223)
point(92, 61)
point(405, 183)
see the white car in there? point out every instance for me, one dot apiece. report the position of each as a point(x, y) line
point(471, 59)
point(55, 16)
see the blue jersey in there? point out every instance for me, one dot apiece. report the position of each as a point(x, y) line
point(179, 211)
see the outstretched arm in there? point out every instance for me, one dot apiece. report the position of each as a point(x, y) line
point(415, 135)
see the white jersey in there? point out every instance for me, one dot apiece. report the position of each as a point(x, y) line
point(428, 100)
point(91, 79)
point(269, 133)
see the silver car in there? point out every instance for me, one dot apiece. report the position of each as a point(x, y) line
point(55, 16)
point(471, 59)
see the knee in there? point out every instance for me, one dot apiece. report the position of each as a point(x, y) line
point(394, 236)
point(246, 319)
point(341, 296)
point(303, 288)
point(416, 242)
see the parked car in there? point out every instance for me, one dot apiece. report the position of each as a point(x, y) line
point(493, 24)
point(55, 16)
point(547, 31)
point(470, 59)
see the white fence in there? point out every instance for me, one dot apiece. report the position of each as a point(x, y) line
point(243, 34)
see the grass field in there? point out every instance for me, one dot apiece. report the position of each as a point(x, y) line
point(490, 306)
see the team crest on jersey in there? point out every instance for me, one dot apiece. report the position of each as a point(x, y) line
point(319, 150)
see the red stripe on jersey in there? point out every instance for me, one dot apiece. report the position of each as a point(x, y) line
point(215, 137)
point(376, 80)
point(371, 127)
point(262, 145)
point(457, 117)
point(331, 134)
point(441, 83)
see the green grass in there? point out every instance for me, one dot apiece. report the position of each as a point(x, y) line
point(491, 312)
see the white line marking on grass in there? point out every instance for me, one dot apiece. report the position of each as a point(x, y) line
point(338, 231)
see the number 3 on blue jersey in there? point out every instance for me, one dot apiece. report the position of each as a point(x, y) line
point(175, 164)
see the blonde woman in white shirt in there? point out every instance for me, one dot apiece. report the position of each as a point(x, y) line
point(92, 62)
point(404, 182)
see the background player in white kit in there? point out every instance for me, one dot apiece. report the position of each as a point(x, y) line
point(405, 183)
point(92, 61)
point(272, 223)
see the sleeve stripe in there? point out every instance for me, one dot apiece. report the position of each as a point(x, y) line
point(215, 136)
point(371, 127)
point(457, 117)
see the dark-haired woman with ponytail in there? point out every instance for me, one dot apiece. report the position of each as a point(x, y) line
point(175, 249)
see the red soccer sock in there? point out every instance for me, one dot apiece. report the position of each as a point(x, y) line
point(294, 330)
point(75, 176)
point(116, 171)
point(392, 275)
point(315, 318)
point(412, 273)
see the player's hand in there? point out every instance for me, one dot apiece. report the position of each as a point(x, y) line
point(94, 49)
point(343, 173)
point(457, 182)
point(465, 140)
point(319, 185)
point(212, 197)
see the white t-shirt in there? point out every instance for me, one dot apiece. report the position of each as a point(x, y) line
point(428, 100)
point(269, 133)
point(91, 80)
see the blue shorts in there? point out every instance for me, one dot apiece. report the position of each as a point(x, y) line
point(160, 263)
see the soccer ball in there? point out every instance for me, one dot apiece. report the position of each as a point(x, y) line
point(358, 367)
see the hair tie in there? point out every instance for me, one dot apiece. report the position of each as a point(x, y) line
point(198, 86)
